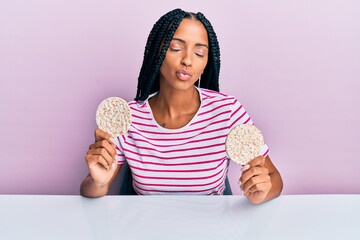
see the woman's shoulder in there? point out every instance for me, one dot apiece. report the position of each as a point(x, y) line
point(209, 95)
point(139, 106)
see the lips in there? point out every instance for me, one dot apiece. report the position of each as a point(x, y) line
point(183, 75)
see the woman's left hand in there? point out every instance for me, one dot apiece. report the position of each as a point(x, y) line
point(255, 181)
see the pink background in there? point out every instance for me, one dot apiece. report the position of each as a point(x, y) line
point(295, 66)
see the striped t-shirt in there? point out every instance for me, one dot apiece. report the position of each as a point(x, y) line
point(188, 160)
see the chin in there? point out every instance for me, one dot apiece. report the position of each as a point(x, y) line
point(184, 85)
point(178, 84)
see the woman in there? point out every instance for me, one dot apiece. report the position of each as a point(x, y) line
point(176, 143)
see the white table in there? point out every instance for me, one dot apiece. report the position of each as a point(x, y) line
point(179, 217)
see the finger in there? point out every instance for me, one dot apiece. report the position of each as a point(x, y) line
point(254, 181)
point(102, 135)
point(245, 167)
point(260, 187)
point(104, 153)
point(258, 161)
point(109, 147)
point(93, 160)
point(253, 171)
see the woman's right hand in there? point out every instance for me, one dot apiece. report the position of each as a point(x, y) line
point(100, 158)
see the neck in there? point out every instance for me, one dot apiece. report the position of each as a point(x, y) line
point(173, 102)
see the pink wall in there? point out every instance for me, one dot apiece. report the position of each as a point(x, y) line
point(295, 65)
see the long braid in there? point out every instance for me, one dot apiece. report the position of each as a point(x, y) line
point(157, 45)
point(151, 52)
point(212, 69)
point(169, 33)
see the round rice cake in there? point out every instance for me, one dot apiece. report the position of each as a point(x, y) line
point(113, 116)
point(244, 143)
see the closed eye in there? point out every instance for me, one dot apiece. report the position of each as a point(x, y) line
point(174, 49)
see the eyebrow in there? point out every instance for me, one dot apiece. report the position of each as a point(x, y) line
point(197, 44)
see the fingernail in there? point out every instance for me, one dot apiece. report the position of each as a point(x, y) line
point(112, 140)
point(245, 167)
point(242, 192)
point(113, 165)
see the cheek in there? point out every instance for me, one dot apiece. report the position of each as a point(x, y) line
point(165, 68)
point(203, 64)
point(168, 65)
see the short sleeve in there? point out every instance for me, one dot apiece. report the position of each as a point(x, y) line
point(120, 157)
point(239, 116)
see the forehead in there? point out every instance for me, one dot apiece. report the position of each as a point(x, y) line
point(192, 30)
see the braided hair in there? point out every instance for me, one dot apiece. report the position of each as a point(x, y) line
point(157, 45)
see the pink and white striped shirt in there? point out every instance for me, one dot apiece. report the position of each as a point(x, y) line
point(189, 160)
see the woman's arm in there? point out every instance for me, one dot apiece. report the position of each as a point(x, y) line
point(100, 160)
point(260, 180)
point(89, 188)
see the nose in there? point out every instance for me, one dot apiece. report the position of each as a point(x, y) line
point(187, 59)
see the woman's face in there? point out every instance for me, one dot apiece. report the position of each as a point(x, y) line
point(186, 57)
